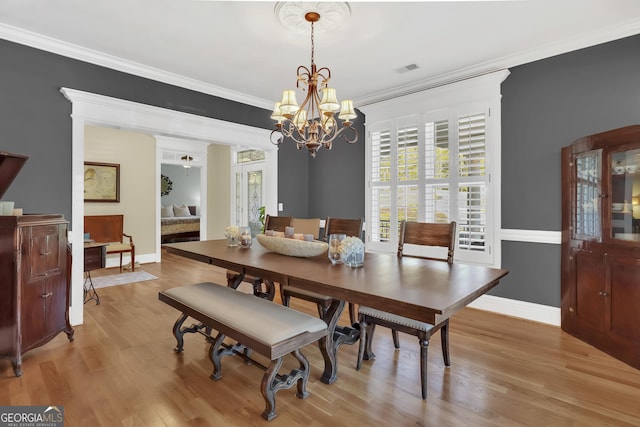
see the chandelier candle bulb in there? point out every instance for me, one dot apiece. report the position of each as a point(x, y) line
point(329, 101)
point(346, 112)
point(300, 119)
point(289, 104)
point(277, 113)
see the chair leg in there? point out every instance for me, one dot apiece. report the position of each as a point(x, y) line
point(353, 318)
point(133, 260)
point(120, 262)
point(284, 297)
point(361, 344)
point(424, 352)
point(396, 340)
point(444, 336)
point(368, 354)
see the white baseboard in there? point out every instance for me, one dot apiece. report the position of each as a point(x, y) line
point(522, 309)
point(126, 259)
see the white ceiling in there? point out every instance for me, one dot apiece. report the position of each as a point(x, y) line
point(239, 49)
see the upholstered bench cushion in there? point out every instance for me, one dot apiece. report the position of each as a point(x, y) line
point(262, 320)
point(378, 314)
point(115, 247)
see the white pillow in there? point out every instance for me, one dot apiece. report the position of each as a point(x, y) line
point(181, 210)
point(167, 212)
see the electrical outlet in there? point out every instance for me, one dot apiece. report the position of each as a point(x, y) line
point(280, 207)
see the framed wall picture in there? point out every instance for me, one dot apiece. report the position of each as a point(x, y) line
point(101, 182)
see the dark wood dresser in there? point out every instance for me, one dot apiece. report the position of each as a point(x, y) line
point(34, 278)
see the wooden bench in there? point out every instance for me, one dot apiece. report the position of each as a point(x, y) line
point(270, 329)
point(110, 229)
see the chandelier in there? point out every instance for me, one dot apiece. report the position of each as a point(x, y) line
point(313, 124)
point(187, 159)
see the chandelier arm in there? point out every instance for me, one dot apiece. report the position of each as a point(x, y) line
point(279, 139)
point(346, 138)
point(294, 134)
point(304, 76)
point(325, 77)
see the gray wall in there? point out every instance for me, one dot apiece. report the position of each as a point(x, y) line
point(185, 184)
point(547, 105)
point(34, 117)
point(331, 184)
point(34, 120)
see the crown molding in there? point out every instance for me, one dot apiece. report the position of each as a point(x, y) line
point(552, 49)
point(49, 44)
point(69, 50)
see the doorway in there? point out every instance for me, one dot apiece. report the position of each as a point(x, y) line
point(100, 110)
point(249, 189)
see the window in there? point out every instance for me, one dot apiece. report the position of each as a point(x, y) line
point(435, 166)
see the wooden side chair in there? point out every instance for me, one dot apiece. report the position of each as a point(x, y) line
point(416, 233)
point(110, 229)
point(307, 226)
point(350, 227)
point(275, 223)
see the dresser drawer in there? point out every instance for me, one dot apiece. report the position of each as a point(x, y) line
point(44, 249)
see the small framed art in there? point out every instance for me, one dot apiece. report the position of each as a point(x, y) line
point(101, 182)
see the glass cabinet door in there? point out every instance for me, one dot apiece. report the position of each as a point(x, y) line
point(625, 195)
point(588, 168)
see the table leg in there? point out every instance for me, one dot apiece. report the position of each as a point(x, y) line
point(336, 336)
point(237, 281)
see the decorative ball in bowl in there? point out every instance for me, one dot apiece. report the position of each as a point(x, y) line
point(292, 247)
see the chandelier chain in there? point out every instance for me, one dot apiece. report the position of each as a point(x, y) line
point(313, 46)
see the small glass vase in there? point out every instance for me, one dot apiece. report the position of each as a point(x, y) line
point(335, 248)
point(245, 239)
point(232, 241)
point(354, 259)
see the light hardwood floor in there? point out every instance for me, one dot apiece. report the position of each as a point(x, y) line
point(121, 371)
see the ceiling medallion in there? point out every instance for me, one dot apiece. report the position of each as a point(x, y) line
point(292, 15)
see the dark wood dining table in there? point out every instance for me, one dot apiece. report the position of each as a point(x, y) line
point(421, 289)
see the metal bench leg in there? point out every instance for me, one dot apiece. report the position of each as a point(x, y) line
point(179, 331)
point(304, 372)
point(268, 388)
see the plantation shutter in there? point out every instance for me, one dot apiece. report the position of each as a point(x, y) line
point(380, 185)
point(472, 206)
point(431, 168)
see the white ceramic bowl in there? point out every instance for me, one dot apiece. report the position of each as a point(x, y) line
point(292, 247)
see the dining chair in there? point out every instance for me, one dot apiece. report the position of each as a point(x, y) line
point(275, 223)
point(422, 234)
point(306, 226)
point(348, 226)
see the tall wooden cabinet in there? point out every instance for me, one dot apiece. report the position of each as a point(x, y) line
point(601, 242)
point(34, 276)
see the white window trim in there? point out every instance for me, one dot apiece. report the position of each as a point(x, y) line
point(483, 91)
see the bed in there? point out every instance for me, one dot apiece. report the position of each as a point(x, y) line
point(179, 224)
